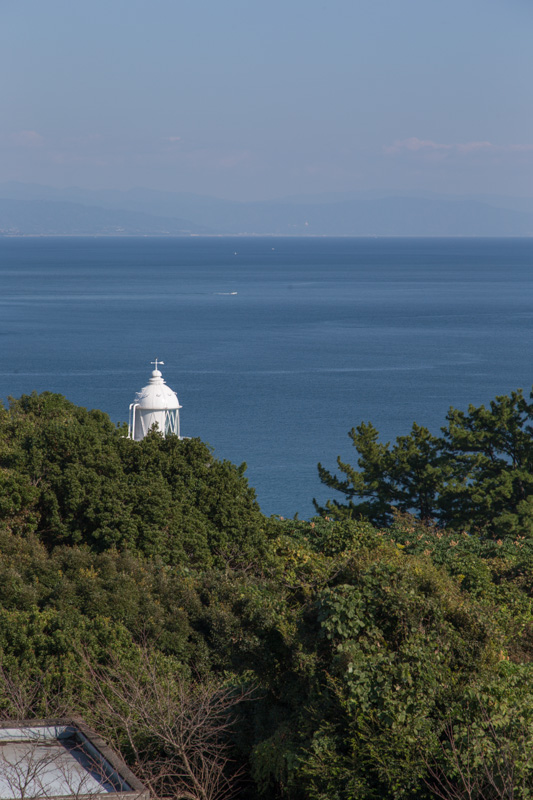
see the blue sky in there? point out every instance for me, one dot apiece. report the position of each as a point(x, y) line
point(254, 100)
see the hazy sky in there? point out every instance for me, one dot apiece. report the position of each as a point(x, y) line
point(252, 100)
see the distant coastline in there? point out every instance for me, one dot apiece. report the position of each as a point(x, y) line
point(255, 236)
point(32, 210)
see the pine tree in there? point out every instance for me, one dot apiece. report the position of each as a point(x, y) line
point(477, 476)
point(409, 476)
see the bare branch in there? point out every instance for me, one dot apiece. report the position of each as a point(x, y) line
point(176, 731)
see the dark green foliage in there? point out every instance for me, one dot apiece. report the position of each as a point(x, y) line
point(410, 475)
point(492, 451)
point(386, 662)
point(360, 655)
point(477, 476)
point(374, 653)
point(72, 477)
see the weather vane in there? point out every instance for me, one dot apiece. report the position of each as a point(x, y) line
point(156, 362)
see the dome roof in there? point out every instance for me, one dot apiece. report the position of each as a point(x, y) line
point(157, 395)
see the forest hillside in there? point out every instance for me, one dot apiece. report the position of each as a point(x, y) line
point(382, 650)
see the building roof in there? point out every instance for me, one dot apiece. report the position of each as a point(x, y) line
point(157, 395)
point(62, 758)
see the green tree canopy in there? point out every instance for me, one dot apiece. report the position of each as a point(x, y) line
point(377, 663)
point(477, 475)
point(409, 475)
point(72, 477)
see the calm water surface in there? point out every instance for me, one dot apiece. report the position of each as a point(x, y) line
point(321, 334)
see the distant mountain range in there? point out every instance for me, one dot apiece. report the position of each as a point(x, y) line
point(31, 209)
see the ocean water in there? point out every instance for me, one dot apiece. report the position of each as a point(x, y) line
point(276, 347)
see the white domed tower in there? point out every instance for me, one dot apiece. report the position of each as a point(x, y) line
point(154, 404)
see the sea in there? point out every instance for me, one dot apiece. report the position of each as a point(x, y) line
point(276, 347)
